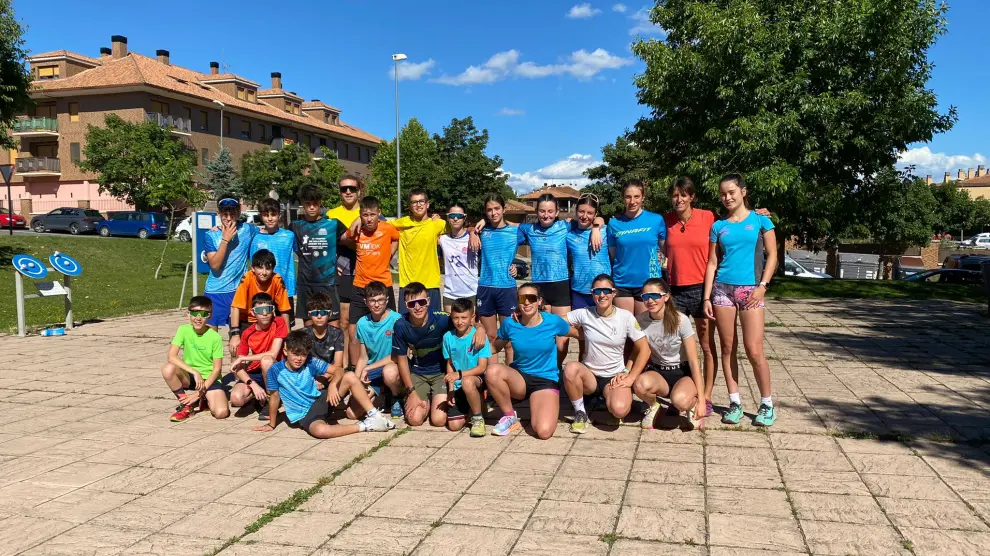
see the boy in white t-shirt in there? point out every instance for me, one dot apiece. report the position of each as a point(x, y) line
point(460, 264)
point(603, 371)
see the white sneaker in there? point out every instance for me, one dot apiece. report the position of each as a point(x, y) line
point(650, 417)
point(378, 423)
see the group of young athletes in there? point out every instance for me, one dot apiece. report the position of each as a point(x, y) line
point(431, 355)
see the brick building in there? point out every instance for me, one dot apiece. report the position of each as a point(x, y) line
point(567, 197)
point(976, 183)
point(72, 90)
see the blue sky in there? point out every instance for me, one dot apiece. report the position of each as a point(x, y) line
point(551, 81)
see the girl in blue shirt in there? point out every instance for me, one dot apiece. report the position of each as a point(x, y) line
point(735, 283)
point(635, 241)
point(534, 374)
point(497, 241)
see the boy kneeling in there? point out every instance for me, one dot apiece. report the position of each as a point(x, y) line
point(259, 349)
point(465, 369)
point(308, 388)
point(199, 367)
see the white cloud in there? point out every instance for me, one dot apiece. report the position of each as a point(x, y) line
point(619, 8)
point(495, 69)
point(580, 64)
point(642, 24)
point(411, 71)
point(582, 11)
point(511, 112)
point(936, 164)
point(566, 171)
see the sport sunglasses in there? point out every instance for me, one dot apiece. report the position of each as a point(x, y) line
point(456, 216)
point(263, 309)
point(653, 296)
point(200, 314)
point(528, 298)
point(421, 302)
point(229, 203)
point(319, 313)
point(603, 291)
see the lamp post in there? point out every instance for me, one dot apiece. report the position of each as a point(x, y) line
point(396, 58)
point(221, 105)
point(7, 170)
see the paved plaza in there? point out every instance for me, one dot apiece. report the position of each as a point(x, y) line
point(880, 448)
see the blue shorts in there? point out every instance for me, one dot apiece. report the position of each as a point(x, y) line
point(220, 314)
point(581, 300)
point(436, 301)
point(496, 301)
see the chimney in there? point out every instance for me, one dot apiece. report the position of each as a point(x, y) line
point(969, 174)
point(980, 171)
point(946, 178)
point(214, 68)
point(960, 175)
point(118, 46)
point(928, 179)
point(276, 80)
point(104, 52)
point(162, 56)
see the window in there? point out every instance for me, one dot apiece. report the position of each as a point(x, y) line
point(226, 125)
point(45, 111)
point(347, 151)
point(308, 142)
point(206, 157)
point(261, 132)
point(250, 95)
point(204, 120)
point(335, 151)
point(187, 113)
point(367, 154)
point(48, 72)
point(74, 152)
point(288, 107)
point(159, 107)
point(73, 111)
point(295, 109)
point(241, 93)
point(245, 129)
point(49, 150)
point(295, 136)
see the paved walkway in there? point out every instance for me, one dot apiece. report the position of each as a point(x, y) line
point(876, 451)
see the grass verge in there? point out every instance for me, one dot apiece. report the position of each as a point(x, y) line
point(790, 287)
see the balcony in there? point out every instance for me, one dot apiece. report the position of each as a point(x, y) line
point(36, 127)
point(280, 143)
point(38, 166)
point(175, 124)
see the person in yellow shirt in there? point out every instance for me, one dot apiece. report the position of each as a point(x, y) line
point(347, 212)
point(418, 238)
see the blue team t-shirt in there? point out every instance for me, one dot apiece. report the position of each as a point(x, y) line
point(228, 278)
point(637, 249)
point(460, 351)
point(296, 388)
point(376, 336)
point(426, 342)
point(534, 348)
point(282, 244)
point(740, 246)
point(585, 264)
point(549, 249)
point(498, 248)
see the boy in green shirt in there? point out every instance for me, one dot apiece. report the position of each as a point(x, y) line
point(199, 367)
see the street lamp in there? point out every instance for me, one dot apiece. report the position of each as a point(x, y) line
point(396, 58)
point(6, 171)
point(221, 105)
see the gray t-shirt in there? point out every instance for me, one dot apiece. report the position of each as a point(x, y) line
point(331, 343)
point(665, 349)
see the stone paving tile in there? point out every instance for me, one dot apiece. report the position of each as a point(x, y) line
point(630, 547)
point(87, 539)
point(756, 502)
point(840, 482)
point(128, 454)
point(595, 468)
point(263, 549)
point(743, 477)
point(530, 445)
point(453, 480)
point(735, 455)
point(348, 500)
point(382, 476)
point(934, 542)
point(20, 533)
point(576, 518)
point(375, 535)
point(746, 531)
point(138, 480)
point(920, 488)
point(672, 526)
point(840, 539)
point(685, 453)
point(603, 448)
point(499, 484)
point(576, 489)
point(542, 543)
point(414, 505)
point(80, 506)
point(887, 464)
point(216, 521)
point(520, 463)
point(150, 513)
point(931, 515)
point(734, 551)
point(845, 509)
point(262, 492)
point(818, 461)
point(27, 494)
point(651, 471)
point(464, 540)
point(510, 513)
point(300, 529)
point(665, 496)
point(160, 544)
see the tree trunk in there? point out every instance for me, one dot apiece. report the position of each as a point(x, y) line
point(781, 254)
point(832, 262)
point(168, 236)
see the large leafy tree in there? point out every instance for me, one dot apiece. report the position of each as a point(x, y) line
point(15, 81)
point(958, 213)
point(806, 98)
point(466, 173)
point(139, 163)
point(286, 170)
point(621, 162)
point(419, 165)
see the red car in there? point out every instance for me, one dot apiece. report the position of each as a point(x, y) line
point(19, 221)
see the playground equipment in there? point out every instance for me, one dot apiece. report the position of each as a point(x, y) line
point(28, 266)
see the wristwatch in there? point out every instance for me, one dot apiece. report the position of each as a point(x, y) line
point(405, 393)
point(764, 284)
point(249, 382)
point(235, 331)
point(460, 375)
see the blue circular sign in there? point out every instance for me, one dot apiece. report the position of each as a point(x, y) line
point(65, 264)
point(29, 266)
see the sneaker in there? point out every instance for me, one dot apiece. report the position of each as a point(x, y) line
point(182, 413)
point(709, 409)
point(262, 411)
point(378, 423)
point(733, 415)
point(397, 410)
point(650, 417)
point(506, 425)
point(580, 423)
point(478, 427)
point(765, 416)
point(694, 423)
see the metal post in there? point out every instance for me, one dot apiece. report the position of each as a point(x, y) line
point(19, 292)
point(398, 179)
point(221, 126)
point(68, 302)
point(6, 171)
point(195, 249)
point(185, 276)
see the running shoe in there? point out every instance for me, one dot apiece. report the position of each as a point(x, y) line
point(709, 409)
point(478, 427)
point(397, 410)
point(506, 425)
point(580, 423)
point(263, 411)
point(182, 413)
point(376, 422)
point(733, 415)
point(765, 416)
point(650, 417)
point(695, 423)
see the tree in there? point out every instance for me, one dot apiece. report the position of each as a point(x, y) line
point(959, 213)
point(221, 177)
point(466, 174)
point(283, 171)
point(15, 80)
point(326, 173)
point(419, 165)
point(806, 98)
point(139, 163)
point(621, 162)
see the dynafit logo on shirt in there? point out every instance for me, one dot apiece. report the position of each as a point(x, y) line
point(633, 231)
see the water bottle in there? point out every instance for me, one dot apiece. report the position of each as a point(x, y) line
point(53, 332)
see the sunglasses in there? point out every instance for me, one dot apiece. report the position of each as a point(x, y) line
point(422, 302)
point(528, 298)
point(229, 203)
point(200, 314)
point(455, 216)
point(263, 309)
point(319, 313)
point(603, 291)
point(348, 189)
point(653, 296)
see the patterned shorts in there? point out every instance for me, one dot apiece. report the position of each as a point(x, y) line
point(724, 295)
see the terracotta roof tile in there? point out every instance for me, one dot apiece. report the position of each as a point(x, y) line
point(67, 54)
point(279, 92)
point(318, 104)
point(982, 180)
point(513, 206)
point(209, 77)
point(563, 191)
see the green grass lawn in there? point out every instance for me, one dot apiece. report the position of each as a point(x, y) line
point(790, 287)
point(117, 278)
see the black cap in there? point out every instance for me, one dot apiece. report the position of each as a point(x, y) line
point(161, 52)
point(118, 38)
point(105, 50)
point(214, 64)
point(276, 74)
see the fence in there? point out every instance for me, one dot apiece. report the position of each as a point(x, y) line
point(109, 205)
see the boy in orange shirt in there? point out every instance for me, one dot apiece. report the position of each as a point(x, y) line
point(376, 242)
point(260, 279)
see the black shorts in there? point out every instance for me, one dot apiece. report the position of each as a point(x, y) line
point(535, 384)
point(671, 374)
point(304, 291)
point(461, 408)
point(217, 384)
point(345, 287)
point(600, 383)
point(556, 294)
point(317, 412)
point(628, 292)
point(359, 307)
point(689, 299)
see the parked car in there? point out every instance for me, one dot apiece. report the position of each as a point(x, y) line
point(794, 268)
point(19, 221)
point(183, 230)
point(965, 262)
point(979, 241)
point(71, 219)
point(135, 223)
point(948, 276)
